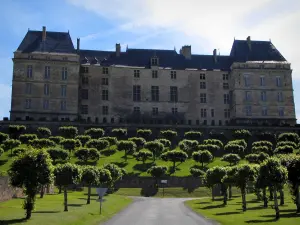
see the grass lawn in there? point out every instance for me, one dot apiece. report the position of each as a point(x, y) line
point(256, 214)
point(49, 210)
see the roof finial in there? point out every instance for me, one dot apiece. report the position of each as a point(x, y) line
point(68, 31)
point(174, 48)
point(126, 47)
point(234, 38)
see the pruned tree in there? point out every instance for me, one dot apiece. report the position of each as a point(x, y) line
point(232, 159)
point(267, 136)
point(98, 144)
point(10, 144)
point(214, 142)
point(44, 132)
point(174, 156)
point(139, 141)
point(67, 174)
point(210, 147)
point(58, 154)
point(1, 151)
point(242, 134)
point(293, 137)
point(83, 139)
point(3, 137)
point(111, 140)
point(155, 147)
point(56, 139)
point(240, 142)
point(259, 149)
point(286, 149)
point(116, 174)
point(189, 146)
point(25, 138)
point(18, 151)
point(165, 142)
point(195, 172)
point(157, 172)
point(168, 134)
point(287, 143)
point(193, 135)
point(144, 133)
point(126, 146)
point(70, 144)
point(202, 157)
point(143, 155)
point(119, 133)
point(234, 148)
point(30, 171)
point(229, 179)
point(86, 154)
point(16, 130)
point(95, 133)
point(68, 132)
point(42, 143)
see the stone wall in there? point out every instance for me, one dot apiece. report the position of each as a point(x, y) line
point(7, 192)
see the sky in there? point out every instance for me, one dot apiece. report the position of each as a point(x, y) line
point(159, 24)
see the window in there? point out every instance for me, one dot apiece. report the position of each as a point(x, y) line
point(202, 76)
point(65, 58)
point(85, 69)
point(84, 109)
point(202, 97)
point(105, 95)
point(63, 105)
point(136, 73)
point(46, 104)
point(203, 113)
point(281, 111)
point(226, 98)
point(227, 113)
point(246, 80)
point(279, 97)
point(225, 76)
point(85, 80)
point(155, 93)
point(29, 71)
point(264, 111)
point(248, 110)
point(248, 95)
point(202, 85)
point(174, 111)
point(212, 113)
point(173, 74)
point(154, 61)
point(104, 81)
point(154, 111)
point(28, 88)
point(47, 72)
point(154, 74)
point(105, 110)
point(46, 89)
point(278, 82)
point(136, 110)
point(105, 70)
point(28, 103)
point(263, 96)
point(262, 81)
point(64, 73)
point(173, 94)
point(84, 94)
point(136, 90)
point(63, 90)
point(225, 86)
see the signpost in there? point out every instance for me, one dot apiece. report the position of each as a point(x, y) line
point(101, 192)
point(163, 182)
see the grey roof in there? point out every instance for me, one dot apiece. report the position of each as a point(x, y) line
point(58, 42)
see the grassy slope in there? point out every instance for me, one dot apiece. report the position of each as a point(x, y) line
point(49, 210)
point(256, 214)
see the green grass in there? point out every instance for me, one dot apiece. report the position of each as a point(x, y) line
point(49, 210)
point(256, 214)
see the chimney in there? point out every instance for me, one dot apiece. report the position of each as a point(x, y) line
point(78, 44)
point(215, 55)
point(186, 51)
point(118, 50)
point(249, 42)
point(44, 34)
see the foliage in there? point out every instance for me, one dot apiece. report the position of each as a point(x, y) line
point(144, 133)
point(83, 139)
point(168, 134)
point(1, 151)
point(265, 149)
point(252, 158)
point(44, 132)
point(165, 142)
point(16, 130)
point(111, 140)
point(30, 171)
point(25, 138)
point(210, 147)
point(42, 143)
point(293, 137)
point(196, 172)
point(214, 176)
point(70, 144)
point(240, 142)
point(232, 159)
point(143, 155)
point(18, 151)
point(202, 157)
point(289, 143)
point(86, 154)
point(213, 142)
point(119, 133)
point(268, 144)
point(139, 141)
point(234, 148)
point(3, 137)
point(157, 171)
point(155, 147)
point(284, 150)
point(58, 154)
point(9, 144)
point(115, 171)
point(95, 133)
point(56, 139)
point(126, 146)
point(193, 135)
point(97, 143)
point(174, 156)
point(242, 134)
point(68, 132)
point(189, 146)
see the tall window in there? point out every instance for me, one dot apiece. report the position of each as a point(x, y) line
point(105, 110)
point(46, 89)
point(246, 80)
point(264, 111)
point(280, 97)
point(84, 94)
point(202, 76)
point(173, 75)
point(263, 96)
point(105, 70)
point(225, 76)
point(281, 111)
point(104, 81)
point(227, 113)
point(136, 73)
point(46, 104)
point(136, 110)
point(174, 111)
point(105, 95)
point(63, 90)
point(155, 93)
point(154, 111)
point(278, 81)
point(29, 71)
point(136, 93)
point(84, 109)
point(154, 73)
point(85, 80)
point(63, 105)
point(85, 69)
point(154, 61)
point(28, 104)
point(226, 98)
point(64, 73)
point(203, 85)
point(203, 113)
point(262, 81)
point(173, 94)
point(248, 110)
point(47, 72)
point(28, 88)
point(212, 113)
point(225, 86)
point(202, 97)
point(248, 95)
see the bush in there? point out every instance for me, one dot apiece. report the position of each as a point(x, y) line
point(144, 133)
point(111, 140)
point(9, 144)
point(242, 134)
point(83, 139)
point(119, 133)
point(196, 172)
point(139, 142)
point(213, 142)
point(126, 146)
point(16, 130)
point(143, 155)
point(68, 132)
point(58, 154)
point(56, 139)
point(189, 146)
point(3, 137)
point(25, 138)
point(165, 142)
point(192, 135)
point(95, 133)
point(42, 143)
point(234, 148)
point(232, 159)
point(44, 132)
point(202, 157)
point(18, 151)
point(155, 147)
point(85, 154)
point(97, 143)
point(239, 142)
point(168, 134)
point(70, 144)
point(284, 150)
point(289, 143)
point(293, 137)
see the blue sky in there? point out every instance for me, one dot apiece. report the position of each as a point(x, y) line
point(165, 24)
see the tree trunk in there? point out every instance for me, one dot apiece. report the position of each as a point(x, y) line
point(265, 198)
point(258, 194)
point(212, 193)
point(42, 191)
point(59, 189)
point(298, 198)
point(89, 195)
point(244, 200)
point(225, 195)
point(230, 191)
point(174, 163)
point(276, 205)
point(29, 205)
point(281, 192)
point(65, 199)
point(271, 190)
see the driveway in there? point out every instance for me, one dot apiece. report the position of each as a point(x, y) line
point(158, 211)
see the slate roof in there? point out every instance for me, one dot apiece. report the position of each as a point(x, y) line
point(56, 42)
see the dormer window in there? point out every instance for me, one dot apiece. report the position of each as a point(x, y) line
point(30, 57)
point(154, 61)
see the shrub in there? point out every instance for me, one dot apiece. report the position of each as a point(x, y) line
point(44, 132)
point(95, 133)
point(70, 144)
point(85, 154)
point(16, 130)
point(165, 142)
point(83, 139)
point(213, 142)
point(25, 138)
point(202, 157)
point(42, 143)
point(189, 146)
point(174, 156)
point(126, 146)
point(168, 134)
point(111, 140)
point(18, 151)
point(155, 147)
point(289, 143)
point(58, 154)
point(234, 148)
point(232, 159)
point(56, 139)
point(239, 142)
point(119, 132)
point(242, 134)
point(97, 143)
point(143, 155)
point(293, 137)
point(284, 150)
point(68, 132)
point(192, 135)
point(3, 137)
point(196, 172)
point(9, 144)
point(139, 142)
point(144, 133)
